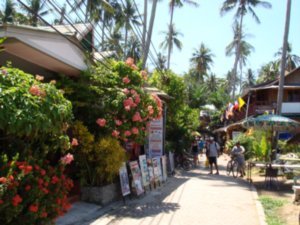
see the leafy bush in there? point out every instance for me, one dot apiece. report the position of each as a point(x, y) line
point(99, 161)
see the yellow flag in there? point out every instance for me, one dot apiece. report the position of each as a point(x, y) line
point(241, 102)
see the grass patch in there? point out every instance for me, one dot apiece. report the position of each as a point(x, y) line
point(271, 206)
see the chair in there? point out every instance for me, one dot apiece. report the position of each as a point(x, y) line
point(271, 176)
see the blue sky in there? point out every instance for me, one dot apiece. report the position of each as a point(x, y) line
point(204, 24)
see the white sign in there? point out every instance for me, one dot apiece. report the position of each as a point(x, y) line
point(144, 170)
point(156, 138)
point(136, 176)
point(124, 180)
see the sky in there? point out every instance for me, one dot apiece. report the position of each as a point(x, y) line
point(204, 24)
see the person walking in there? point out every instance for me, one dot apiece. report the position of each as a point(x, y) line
point(201, 145)
point(212, 154)
point(238, 152)
point(195, 152)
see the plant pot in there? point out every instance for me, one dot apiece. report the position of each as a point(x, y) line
point(101, 195)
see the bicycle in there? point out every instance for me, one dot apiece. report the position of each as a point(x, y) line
point(183, 160)
point(233, 167)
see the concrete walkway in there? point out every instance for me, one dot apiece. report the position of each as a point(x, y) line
point(192, 197)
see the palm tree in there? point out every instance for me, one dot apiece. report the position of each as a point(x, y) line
point(292, 60)
point(62, 15)
point(134, 48)
point(172, 5)
point(129, 16)
point(114, 42)
point(9, 12)
point(201, 61)
point(211, 82)
point(245, 49)
point(268, 72)
point(161, 62)
point(35, 9)
point(169, 43)
point(250, 80)
point(243, 7)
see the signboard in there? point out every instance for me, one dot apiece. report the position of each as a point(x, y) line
point(137, 177)
point(144, 170)
point(124, 180)
point(156, 138)
point(164, 167)
point(156, 171)
point(150, 171)
point(159, 165)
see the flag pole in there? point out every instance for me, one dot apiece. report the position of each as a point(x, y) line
point(248, 101)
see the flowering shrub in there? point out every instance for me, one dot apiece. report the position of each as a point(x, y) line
point(33, 191)
point(129, 108)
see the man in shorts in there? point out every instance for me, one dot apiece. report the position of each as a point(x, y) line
point(212, 154)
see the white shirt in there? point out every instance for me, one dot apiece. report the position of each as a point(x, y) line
point(213, 149)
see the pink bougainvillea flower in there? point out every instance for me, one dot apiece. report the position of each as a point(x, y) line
point(134, 67)
point(126, 80)
point(67, 159)
point(74, 142)
point(54, 179)
point(37, 91)
point(3, 180)
point(118, 122)
point(137, 99)
point(43, 172)
point(136, 117)
point(127, 108)
point(115, 133)
point(150, 109)
point(16, 200)
point(133, 92)
point(135, 130)
point(125, 91)
point(39, 77)
point(129, 61)
point(127, 133)
point(27, 187)
point(101, 122)
point(128, 102)
point(33, 208)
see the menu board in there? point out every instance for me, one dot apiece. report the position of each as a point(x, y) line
point(156, 138)
point(124, 180)
point(144, 170)
point(156, 171)
point(137, 177)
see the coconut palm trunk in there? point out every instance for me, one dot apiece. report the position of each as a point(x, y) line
point(148, 39)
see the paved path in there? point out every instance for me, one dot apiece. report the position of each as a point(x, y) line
point(192, 197)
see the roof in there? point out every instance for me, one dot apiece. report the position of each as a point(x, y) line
point(158, 92)
point(273, 84)
point(229, 127)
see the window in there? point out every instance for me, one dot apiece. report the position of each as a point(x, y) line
point(294, 96)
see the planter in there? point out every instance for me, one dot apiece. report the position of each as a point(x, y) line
point(101, 195)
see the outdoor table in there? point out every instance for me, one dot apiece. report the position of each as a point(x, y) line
point(271, 172)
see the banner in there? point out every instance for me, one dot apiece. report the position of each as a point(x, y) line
point(124, 180)
point(156, 138)
point(144, 170)
point(136, 176)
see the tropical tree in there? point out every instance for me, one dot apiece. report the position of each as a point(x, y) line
point(169, 43)
point(245, 49)
point(127, 17)
point(201, 61)
point(172, 5)
point(292, 60)
point(161, 61)
point(113, 42)
point(243, 7)
point(268, 72)
point(8, 13)
point(34, 9)
point(62, 15)
point(250, 80)
point(134, 48)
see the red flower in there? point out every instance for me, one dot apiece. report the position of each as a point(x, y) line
point(16, 200)
point(125, 91)
point(1, 201)
point(67, 159)
point(37, 91)
point(101, 122)
point(136, 117)
point(28, 187)
point(126, 80)
point(54, 179)
point(115, 133)
point(135, 130)
point(74, 142)
point(118, 122)
point(44, 214)
point(33, 208)
point(3, 180)
point(129, 61)
point(43, 172)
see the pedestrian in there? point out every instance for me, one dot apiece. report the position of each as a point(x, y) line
point(213, 149)
point(201, 145)
point(238, 152)
point(195, 152)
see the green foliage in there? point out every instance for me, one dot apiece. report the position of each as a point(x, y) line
point(116, 97)
point(99, 160)
point(271, 207)
point(181, 119)
point(30, 108)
